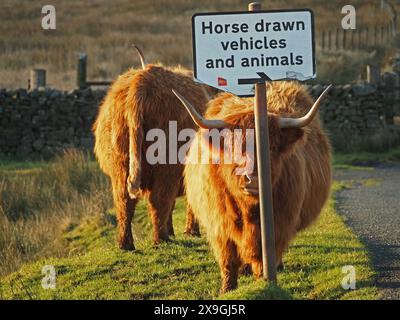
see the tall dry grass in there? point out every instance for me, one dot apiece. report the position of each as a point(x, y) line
point(36, 205)
point(105, 30)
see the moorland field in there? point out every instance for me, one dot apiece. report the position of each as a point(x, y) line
point(105, 30)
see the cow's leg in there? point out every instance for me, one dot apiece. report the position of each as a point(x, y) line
point(160, 207)
point(245, 269)
point(281, 245)
point(279, 256)
point(251, 247)
point(125, 207)
point(229, 263)
point(192, 226)
point(256, 268)
point(171, 231)
point(256, 264)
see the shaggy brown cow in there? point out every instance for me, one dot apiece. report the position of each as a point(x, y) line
point(137, 102)
point(227, 205)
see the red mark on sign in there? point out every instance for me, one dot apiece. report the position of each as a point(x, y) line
point(222, 82)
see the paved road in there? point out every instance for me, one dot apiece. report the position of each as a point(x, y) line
point(373, 212)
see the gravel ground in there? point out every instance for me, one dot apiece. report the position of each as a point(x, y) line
point(373, 212)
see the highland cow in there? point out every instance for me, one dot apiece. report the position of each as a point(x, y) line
point(227, 205)
point(137, 102)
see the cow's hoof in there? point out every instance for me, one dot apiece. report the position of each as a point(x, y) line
point(192, 233)
point(280, 267)
point(227, 288)
point(127, 246)
point(157, 242)
point(246, 270)
point(171, 233)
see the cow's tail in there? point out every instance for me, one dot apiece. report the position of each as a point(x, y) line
point(134, 119)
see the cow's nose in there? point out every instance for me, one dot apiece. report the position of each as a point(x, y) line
point(251, 184)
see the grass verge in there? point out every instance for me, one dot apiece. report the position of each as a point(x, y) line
point(349, 160)
point(39, 201)
point(185, 268)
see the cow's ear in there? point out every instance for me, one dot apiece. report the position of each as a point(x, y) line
point(289, 137)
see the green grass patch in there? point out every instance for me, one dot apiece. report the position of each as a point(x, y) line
point(352, 160)
point(39, 200)
point(185, 268)
point(12, 165)
point(371, 182)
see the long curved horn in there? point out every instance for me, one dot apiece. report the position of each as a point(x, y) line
point(303, 121)
point(197, 118)
point(141, 56)
point(205, 93)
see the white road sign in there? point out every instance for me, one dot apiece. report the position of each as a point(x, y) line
point(232, 51)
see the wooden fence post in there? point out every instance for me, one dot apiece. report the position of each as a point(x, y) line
point(337, 39)
point(37, 78)
point(352, 39)
point(81, 71)
point(386, 5)
point(389, 82)
point(344, 39)
point(373, 75)
point(329, 40)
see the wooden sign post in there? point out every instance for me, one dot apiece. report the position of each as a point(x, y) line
point(264, 176)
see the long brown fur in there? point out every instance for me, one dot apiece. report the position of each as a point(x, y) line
point(301, 177)
point(137, 102)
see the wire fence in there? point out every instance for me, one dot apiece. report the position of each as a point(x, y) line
point(358, 39)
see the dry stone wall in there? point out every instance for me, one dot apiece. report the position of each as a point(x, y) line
point(41, 123)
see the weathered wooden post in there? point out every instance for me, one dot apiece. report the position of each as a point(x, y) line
point(352, 39)
point(264, 175)
point(329, 40)
point(373, 75)
point(396, 70)
point(337, 39)
point(385, 5)
point(344, 39)
point(81, 70)
point(389, 83)
point(37, 78)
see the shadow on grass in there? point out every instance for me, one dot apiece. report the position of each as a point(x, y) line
point(321, 248)
point(258, 290)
